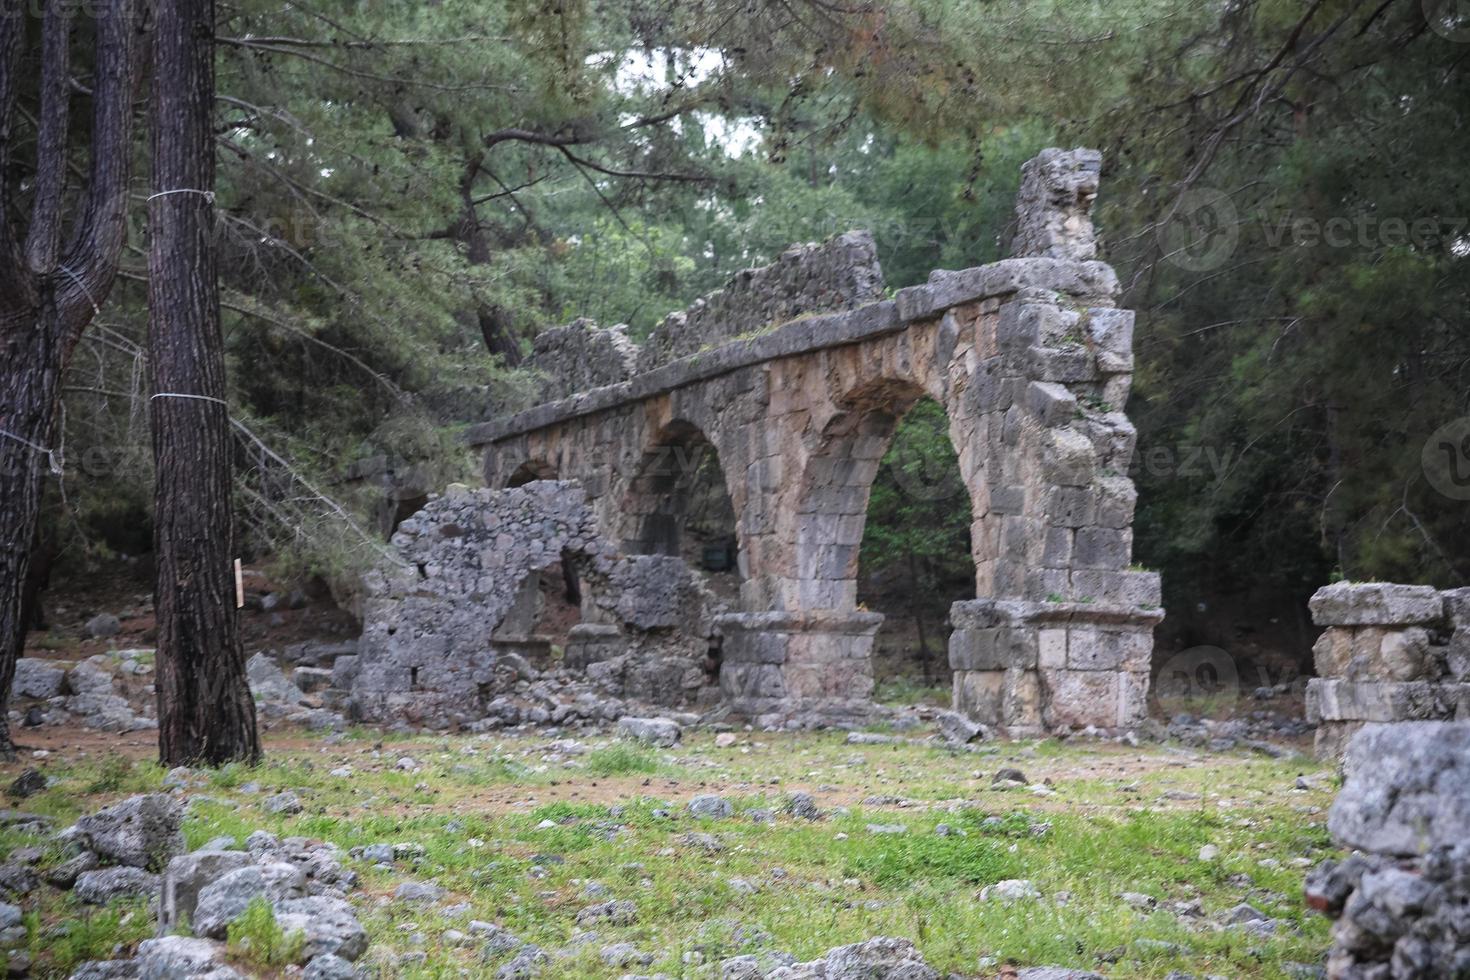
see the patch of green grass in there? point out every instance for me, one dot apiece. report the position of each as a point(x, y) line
point(115, 773)
point(257, 939)
point(621, 759)
point(907, 690)
point(86, 933)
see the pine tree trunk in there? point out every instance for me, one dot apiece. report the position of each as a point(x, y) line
point(205, 711)
point(49, 293)
point(28, 387)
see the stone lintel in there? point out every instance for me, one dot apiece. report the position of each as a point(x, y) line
point(854, 622)
point(991, 613)
point(1375, 604)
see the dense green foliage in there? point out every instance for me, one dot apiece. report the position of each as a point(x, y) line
point(411, 191)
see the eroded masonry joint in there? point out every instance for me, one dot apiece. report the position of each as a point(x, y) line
point(789, 384)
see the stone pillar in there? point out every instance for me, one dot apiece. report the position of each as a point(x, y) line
point(799, 669)
point(1388, 653)
point(1028, 667)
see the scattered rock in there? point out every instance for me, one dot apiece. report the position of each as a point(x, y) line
point(28, 783)
point(803, 807)
point(418, 891)
point(882, 958)
point(709, 806)
point(103, 885)
point(102, 626)
point(958, 729)
point(140, 832)
point(189, 874)
point(282, 804)
point(663, 732)
point(1010, 890)
point(614, 913)
point(37, 679)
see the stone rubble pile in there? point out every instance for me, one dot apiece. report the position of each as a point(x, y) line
point(135, 848)
point(1389, 653)
point(109, 692)
point(1402, 901)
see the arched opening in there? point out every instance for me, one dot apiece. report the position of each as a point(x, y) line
point(678, 505)
point(915, 556)
point(530, 471)
point(541, 624)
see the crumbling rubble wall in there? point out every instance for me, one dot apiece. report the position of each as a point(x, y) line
point(430, 654)
point(841, 273)
point(1388, 653)
point(581, 355)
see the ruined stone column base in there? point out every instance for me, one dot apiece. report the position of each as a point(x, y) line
point(1388, 653)
point(1031, 667)
point(799, 669)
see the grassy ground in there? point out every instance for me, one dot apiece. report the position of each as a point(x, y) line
point(1112, 820)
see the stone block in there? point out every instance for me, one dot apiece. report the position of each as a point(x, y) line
point(1052, 649)
point(1133, 687)
point(1116, 502)
point(1375, 604)
point(997, 648)
point(1067, 458)
point(1109, 330)
point(1050, 403)
point(1333, 699)
point(1056, 550)
point(1407, 789)
point(1133, 588)
point(1069, 366)
point(978, 694)
point(1068, 506)
point(1078, 698)
point(1102, 547)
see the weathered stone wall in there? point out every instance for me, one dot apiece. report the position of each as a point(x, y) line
point(1402, 900)
point(582, 355)
point(1032, 362)
point(838, 274)
point(1388, 653)
point(433, 652)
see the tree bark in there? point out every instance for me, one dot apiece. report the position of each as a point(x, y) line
point(48, 294)
point(205, 711)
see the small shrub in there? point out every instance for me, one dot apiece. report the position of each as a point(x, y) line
point(258, 938)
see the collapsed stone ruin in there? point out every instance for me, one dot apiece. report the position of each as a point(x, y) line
point(788, 385)
point(1388, 653)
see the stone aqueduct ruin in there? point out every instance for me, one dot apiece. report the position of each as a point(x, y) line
point(795, 377)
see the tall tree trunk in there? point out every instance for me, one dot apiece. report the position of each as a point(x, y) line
point(51, 287)
point(205, 711)
point(28, 389)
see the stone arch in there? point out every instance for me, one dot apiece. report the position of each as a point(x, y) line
point(530, 471)
point(914, 580)
point(678, 485)
point(832, 506)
